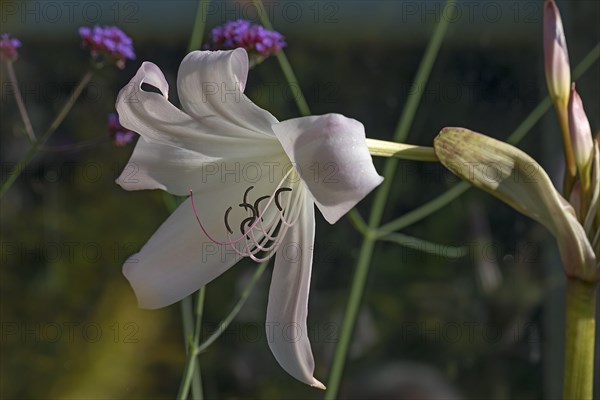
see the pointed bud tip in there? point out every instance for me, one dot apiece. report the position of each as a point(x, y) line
point(580, 132)
point(318, 385)
point(556, 55)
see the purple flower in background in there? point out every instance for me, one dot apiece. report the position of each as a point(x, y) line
point(259, 42)
point(108, 41)
point(121, 136)
point(9, 46)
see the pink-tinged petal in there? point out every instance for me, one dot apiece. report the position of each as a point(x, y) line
point(287, 333)
point(154, 118)
point(211, 85)
point(515, 178)
point(179, 258)
point(581, 133)
point(331, 155)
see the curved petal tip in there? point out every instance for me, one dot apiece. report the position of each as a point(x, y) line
point(318, 385)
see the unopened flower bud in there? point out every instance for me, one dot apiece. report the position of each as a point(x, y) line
point(581, 133)
point(556, 55)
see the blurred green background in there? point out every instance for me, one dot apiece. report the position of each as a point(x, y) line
point(487, 325)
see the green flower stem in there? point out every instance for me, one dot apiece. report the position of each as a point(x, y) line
point(402, 151)
point(189, 335)
point(424, 211)
point(368, 244)
point(236, 309)
point(192, 319)
point(36, 146)
point(579, 340)
point(199, 22)
point(284, 63)
point(12, 77)
point(426, 246)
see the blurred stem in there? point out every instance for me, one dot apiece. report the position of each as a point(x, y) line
point(425, 246)
point(284, 64)
point(580, 330)
point(36, 146)
point(199, 23)
point(357, 221)
point(189, 335)
point(12, 77)
point(571, 166)
point(425, 210)
point(522, 130)
point(236, 309)
point(366, 251)
point(192, 319)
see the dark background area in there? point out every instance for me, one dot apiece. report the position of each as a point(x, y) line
point(487, 325)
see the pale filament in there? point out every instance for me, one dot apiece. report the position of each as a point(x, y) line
point(268, 231)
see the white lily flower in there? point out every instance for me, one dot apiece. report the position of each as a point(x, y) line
point(255, 182)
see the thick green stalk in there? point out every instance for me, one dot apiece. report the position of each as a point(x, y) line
point(366, 251)
point(36, 146)
point(580, 331)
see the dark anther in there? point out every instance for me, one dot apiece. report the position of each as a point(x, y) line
point(226, 221)
point(246, 193)
point(248, 206)
point(249, 220)
point(283, 189)
point(256, 203)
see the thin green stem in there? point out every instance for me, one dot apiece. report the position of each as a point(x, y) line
point(357, 221)
point(191, 338)
point(187, 316)
point(12, 77)
point(199, 22)
point(35, 147)
point(424, 211)
point(192, 319)
point(235, 310)
point(426, 246)
point(197, 389)
point(366, 251)
point(285, 64)
point(580, 331)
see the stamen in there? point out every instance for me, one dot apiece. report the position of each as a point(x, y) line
point(283, 189)
point(246, 193)
point(226, 221)
point(248, 220)
point(253, 220)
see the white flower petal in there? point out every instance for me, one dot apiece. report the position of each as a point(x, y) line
point(211, 83)
point(331, 155)
point(179, 258)
point(177, 170)
point(287, 333)
point(157, 120)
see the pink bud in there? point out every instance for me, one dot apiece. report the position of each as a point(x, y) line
point(580, 131)
point(556, 55)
